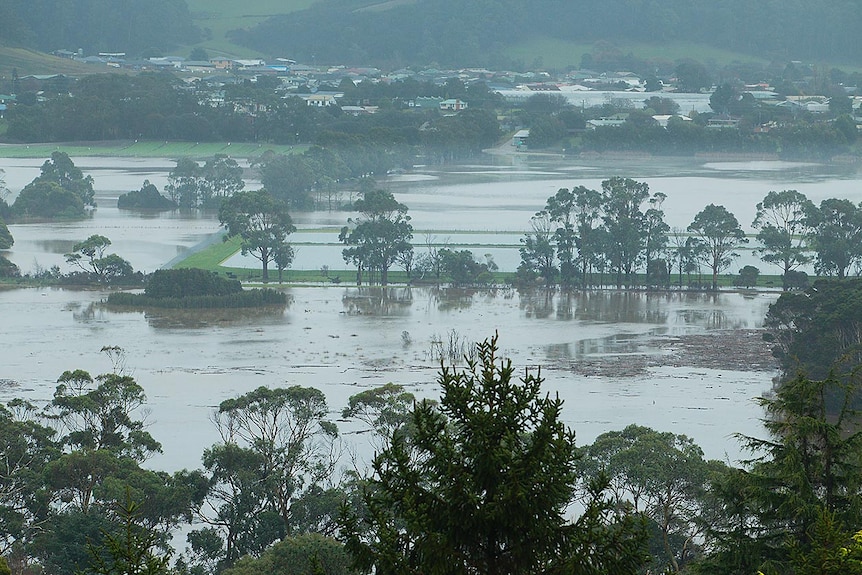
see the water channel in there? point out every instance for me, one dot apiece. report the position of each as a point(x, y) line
point(687, 363)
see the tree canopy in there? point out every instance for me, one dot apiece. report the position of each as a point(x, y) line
point(261, 222)
point(481, 484)
point(379, 238)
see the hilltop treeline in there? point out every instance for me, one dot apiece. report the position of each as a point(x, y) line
point(476, 32)
point(131, 26)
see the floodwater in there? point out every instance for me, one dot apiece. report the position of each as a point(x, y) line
point(343, 339)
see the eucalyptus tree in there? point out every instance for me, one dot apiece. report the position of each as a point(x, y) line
point(26, 447)
point(63, 171)
point(222, 178)
point(836, 236)
point(262, 224)
point(783, 220)
point(718, 231)
point(103, 445)
point(561, 209)
point(184, 183)
point(655, 231)
point(277, 446)
point(379, 237)
point(624, 222)
point(590, 238)
point(89, 255)
point(384, 410)
point(538, 255)
point(661, 475)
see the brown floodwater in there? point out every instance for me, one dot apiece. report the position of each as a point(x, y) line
point(687, 363)
point(343, 340)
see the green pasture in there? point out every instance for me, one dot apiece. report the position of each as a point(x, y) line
point(220, 16)
point(27, 61)
point(146, 149)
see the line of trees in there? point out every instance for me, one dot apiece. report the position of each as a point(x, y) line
point(587, 237)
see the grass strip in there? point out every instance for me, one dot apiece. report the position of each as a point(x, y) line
point(147, 149)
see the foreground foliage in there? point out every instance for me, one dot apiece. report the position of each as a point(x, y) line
point(483, 483)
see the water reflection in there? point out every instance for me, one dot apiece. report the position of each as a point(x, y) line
point(169, 319)
point(378, 301)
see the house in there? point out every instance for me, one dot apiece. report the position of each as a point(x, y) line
point(222, 63)
point(520, 139)
point(199, 66)
point(423, 102)
point(723, 122)
point(612, 122)
point(663, 119)
point(320, 100)
point(359, 110)
point(453, 105)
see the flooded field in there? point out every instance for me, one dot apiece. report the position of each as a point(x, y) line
point(614, 357)
point(687, 363)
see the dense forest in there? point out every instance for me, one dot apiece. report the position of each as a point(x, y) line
point(475, 33)
point(131, 26)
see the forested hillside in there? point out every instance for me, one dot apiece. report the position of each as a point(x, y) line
point(131, 26)
point(456, 32)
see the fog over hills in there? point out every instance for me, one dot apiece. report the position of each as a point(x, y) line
point(134, 27)
point(477, 32)
point(443, 32)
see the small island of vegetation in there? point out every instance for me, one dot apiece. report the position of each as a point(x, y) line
point(187, 288)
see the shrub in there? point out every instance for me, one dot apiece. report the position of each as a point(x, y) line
point(189, 282)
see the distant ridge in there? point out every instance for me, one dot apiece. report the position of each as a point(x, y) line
point(480, 32)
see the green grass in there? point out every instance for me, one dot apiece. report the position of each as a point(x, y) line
point(211, 258)
point(221, 16)
point(26, 62)
point(146, 149)
point(558, 54)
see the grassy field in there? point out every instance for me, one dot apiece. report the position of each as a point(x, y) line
point(211, 258)
point(220, 16)
point(146, 149)
point(558, 54)
point(32, 62)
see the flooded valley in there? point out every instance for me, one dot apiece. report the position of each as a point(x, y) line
point(683, 362)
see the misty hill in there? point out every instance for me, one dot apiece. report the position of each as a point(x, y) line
point(479, 32)
point(131, 26)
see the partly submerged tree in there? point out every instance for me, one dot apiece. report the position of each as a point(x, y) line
point(89, 255)
point(836, 236)
point(62, 170)
point(783, 223)
point(483, 484)
point(379, 237)
point(718, 231)
point(147, 198)
point(261, 222)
